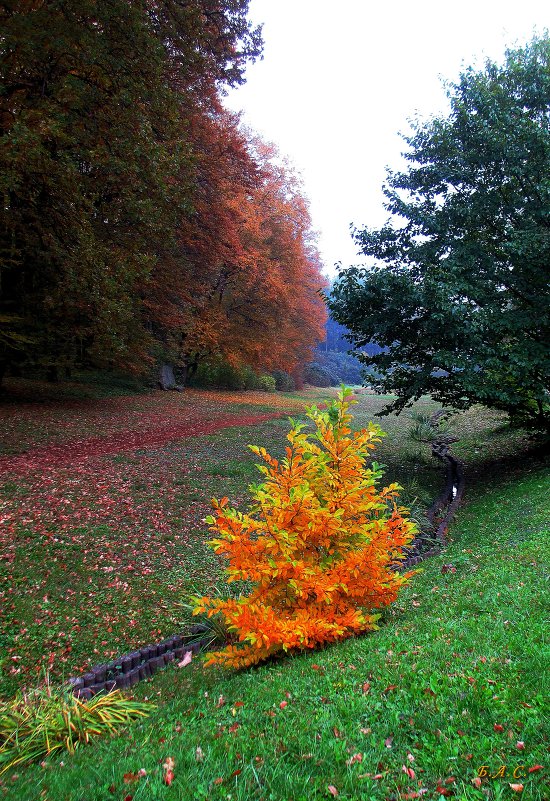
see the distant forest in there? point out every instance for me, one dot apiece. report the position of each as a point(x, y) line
point(333, 363)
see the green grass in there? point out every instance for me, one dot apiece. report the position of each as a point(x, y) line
point(452, 643)
point(460, 653)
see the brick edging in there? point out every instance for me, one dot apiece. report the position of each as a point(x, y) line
point(127, 670)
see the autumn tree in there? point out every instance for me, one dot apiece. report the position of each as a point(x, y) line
point(93, 106)
point(318, 547)
point(246, 275)
point(456, 293)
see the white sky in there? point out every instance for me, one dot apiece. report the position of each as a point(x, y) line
point(339, 80)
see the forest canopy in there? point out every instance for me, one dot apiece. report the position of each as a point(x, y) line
point(140, 222)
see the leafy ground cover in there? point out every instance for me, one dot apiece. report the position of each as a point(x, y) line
point(97, 554)
point(98, 536)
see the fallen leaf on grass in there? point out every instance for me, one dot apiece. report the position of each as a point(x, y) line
point(476, 781)
point(355, 758)
point(534, 768)
point(498, 727)
point(168, 768)
point(388, 741)
point(332, 790)
point(188, 656)
point(409, 771)
point(199, 754)
point(517, 788)
point(520, 745)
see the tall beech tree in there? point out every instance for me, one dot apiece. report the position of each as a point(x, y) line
point(252, 271)
point(94, 103)
point(458, 292)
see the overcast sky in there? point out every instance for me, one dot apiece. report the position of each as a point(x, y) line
point(339, 80)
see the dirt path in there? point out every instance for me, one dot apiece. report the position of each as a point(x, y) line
point(68, 453)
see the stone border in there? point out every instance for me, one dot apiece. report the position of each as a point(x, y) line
point(445, 506)
point(129, 669)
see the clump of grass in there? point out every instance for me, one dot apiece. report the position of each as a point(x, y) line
point(430, 426)
point(41, 722)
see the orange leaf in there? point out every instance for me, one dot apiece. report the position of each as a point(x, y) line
point(517, 788)
point(534, 768)
point(332, 790)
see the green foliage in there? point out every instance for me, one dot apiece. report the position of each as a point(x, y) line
point(319, 376)
point(267, 383)
point(219, 374)
point(45, 721)
point(429, 426)
point(457, 292)
point(284, 382)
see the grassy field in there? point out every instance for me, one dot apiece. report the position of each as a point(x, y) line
point(99, 550)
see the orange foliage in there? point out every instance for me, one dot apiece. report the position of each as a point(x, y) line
point(320, 544)
point(244, 282)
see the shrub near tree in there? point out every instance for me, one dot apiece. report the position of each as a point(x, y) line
point(319, 545)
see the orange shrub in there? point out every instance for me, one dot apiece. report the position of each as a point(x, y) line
point(319, 545)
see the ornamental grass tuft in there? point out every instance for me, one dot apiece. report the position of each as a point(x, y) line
point(41, 722)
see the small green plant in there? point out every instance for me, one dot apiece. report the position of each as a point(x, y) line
point(44, 721)
point(266, 383)
point(429, 426)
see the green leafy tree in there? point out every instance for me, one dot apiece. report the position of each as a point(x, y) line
point(457, 293)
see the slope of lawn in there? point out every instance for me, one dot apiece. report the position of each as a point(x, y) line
point(100, 552)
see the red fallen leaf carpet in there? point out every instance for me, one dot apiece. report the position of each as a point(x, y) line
point(101, 520)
